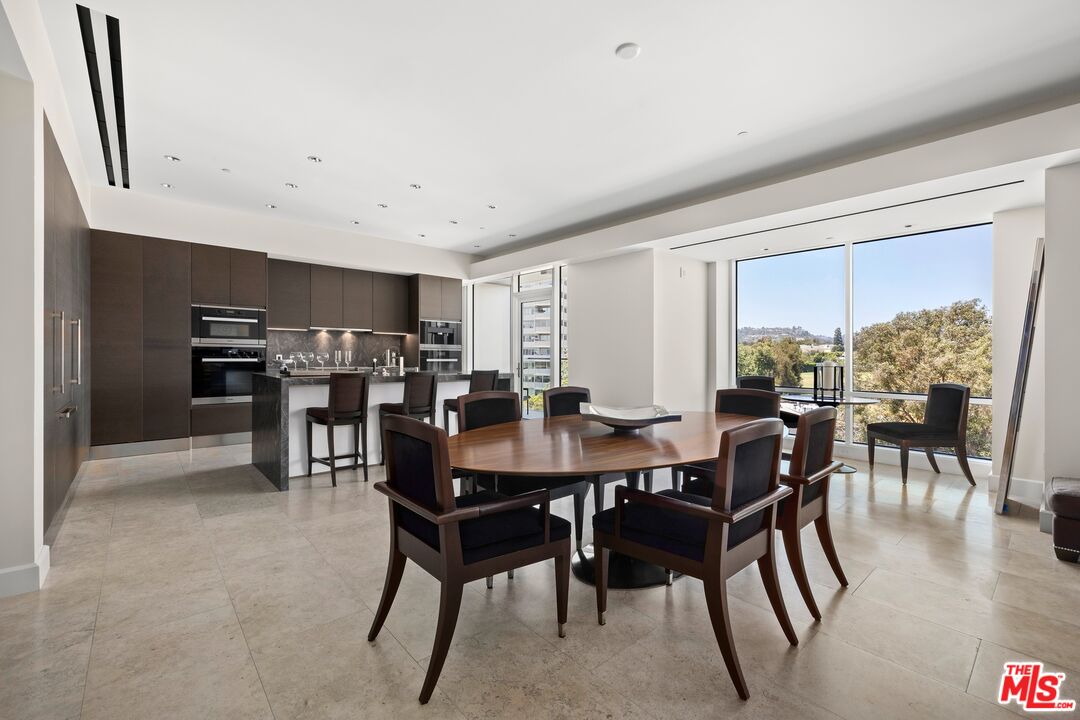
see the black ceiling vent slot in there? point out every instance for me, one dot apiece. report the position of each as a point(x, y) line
point(112, 139)
point(847, 215)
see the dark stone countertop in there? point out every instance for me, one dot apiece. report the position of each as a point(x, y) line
point(299, 380)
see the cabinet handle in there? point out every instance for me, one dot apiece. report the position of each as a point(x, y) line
point(59, 389)
point(77, 324)
point(66, 413)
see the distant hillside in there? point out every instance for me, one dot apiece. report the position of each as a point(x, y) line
point(800, 334)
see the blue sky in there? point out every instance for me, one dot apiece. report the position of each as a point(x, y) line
point(890, 276)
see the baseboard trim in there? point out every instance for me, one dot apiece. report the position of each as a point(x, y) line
point(205, 441)
point(147, 447)
point(980, 468)
point(25, 578)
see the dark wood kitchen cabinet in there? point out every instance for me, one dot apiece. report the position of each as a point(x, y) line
point(227, 276)
point(210, 275)
point(390, 303)
point(166, 339)
point(247, 278)
point(356, 290)
point(221, 419)
point(288, 295)
point(435, 298)
point(326, 296)
point(116, 340)
point(451, 299)
point(429, 300)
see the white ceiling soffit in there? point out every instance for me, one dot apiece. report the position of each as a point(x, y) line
point(526, 107)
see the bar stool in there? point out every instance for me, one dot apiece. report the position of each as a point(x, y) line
point(479, 381)
point(418, 401)
point(348, 402)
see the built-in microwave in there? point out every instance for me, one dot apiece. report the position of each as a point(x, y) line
point(215, 325)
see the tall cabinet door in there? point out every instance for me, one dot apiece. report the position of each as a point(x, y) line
point(326, 296)
point(247, 278)
point(166, 345)
point(356, 300)
point(116, 339)
point(288, 295)
point(210, 275)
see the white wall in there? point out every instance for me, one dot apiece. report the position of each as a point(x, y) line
point(1062, 323)
point(610, 329)
point(129, 211)
point(680, 332)
point(491, 327)
point(720, 372)
point(1015, 232)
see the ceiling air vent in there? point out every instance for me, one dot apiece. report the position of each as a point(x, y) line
point(106, 74)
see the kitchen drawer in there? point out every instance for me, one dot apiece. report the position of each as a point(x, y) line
point(220, 419)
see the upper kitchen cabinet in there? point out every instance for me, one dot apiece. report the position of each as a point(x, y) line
point(288, 295)
point(247, 278)
point(356, 296)
point(326, 297)
point(227, 276)
point(436, 298)
point(390, 303)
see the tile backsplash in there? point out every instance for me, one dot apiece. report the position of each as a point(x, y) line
point(364, 346)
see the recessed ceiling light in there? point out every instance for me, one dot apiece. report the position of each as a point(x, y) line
point(172, 158)
point(421, 235)
point(291, 186)
point(764, 249)
point(453, 222)
point(476, 245)
point(511, 235)
point(383, 205)
point(741, 133)
point(907, 226)
point(482, 227)
point(491, 207)
point(272, 206)
point(167, 186)
point(830, 237)
point(314, 158)
point(355, 222)
point(628, 51)
point(226, 170)
point(414, 186)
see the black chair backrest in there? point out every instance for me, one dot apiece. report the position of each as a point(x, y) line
point(747, 467)
point(477, 410)
point(418, 462)
point(947, 406)
point(420, 389)
point(348, 395)
point(814, 440)
point(481, 380)
point(756, 382)
point(757, 403)
point(565, 400)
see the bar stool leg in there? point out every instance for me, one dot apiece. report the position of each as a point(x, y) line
point(333, 454)
point(363, 445)
point(310, 452)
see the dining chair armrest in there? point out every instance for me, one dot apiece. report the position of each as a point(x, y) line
point(443, 518)
point(744, 511)
point(640, 497)
point(813, 478)
point(529, 499)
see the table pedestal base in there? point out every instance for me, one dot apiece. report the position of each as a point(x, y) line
point(623, 572)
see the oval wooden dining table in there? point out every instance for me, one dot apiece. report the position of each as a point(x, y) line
point(572, 446)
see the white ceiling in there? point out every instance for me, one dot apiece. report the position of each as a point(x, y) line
point(525, 106)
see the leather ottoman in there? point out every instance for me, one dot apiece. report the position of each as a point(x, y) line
point(1063, 499)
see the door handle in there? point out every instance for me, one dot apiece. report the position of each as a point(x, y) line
point(77, 324)
point(66, 413)
point(59, 389)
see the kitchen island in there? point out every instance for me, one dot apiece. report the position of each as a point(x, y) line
point(279, 406)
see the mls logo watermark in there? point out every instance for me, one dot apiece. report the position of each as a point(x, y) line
point(1028, 686)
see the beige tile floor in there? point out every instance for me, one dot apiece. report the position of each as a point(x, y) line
point(183, 586)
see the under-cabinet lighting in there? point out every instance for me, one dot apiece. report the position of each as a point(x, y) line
point(288, 329)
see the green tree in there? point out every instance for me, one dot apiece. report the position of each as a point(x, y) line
point(838, 341)
point(780, 359)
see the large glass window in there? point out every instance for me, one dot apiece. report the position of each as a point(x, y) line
point(790, 315)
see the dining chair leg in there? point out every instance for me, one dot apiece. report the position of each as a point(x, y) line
point(716, 599)
point(904, 450)
point(310, 452)
point(962, 458)
point(579, 515)
point(333, 454)
point(394, 570)
point(824, 533)
point(871, 441)
point(933, 461)
point(363, 446)
point(793, 548)
point(490, 582)
point(562, 587)
point(449, 605)
point(767, 567)
point(600, 570)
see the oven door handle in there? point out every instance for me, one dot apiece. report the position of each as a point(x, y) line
point(229, 319)
point(232, 360)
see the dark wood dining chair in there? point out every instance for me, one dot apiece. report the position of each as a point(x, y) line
point(566, 400)
point(707, 538)
point(481, 409)
point(347, 405)
point(807, 474)
point(458, 539)
point(417, 401)
point(479, 381)
point(944, 425)
point(739, 401)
